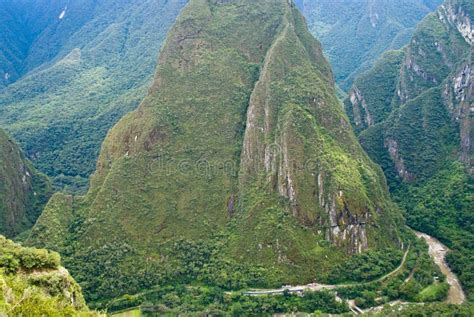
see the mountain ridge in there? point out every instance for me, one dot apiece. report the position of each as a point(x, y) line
point(276, 175)
point(23, 190)
point(355, 33)
point(86, 70)
point(418, 126)
point(115, 44)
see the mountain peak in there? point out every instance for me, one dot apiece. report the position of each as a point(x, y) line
point(241, 135)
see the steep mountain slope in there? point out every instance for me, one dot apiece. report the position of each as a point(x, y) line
point(73, 59)
point(354, 33)
point(34, 32)
point(23, 190)
point(240, 159)
point(414, 110)
point(33, 283)
point(87, 63)
point(13, 43)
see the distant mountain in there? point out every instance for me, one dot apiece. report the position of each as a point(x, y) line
point(74, 69)
point(414, 112)
point(32, 283)
point(32, 33)
point(354, 33)
point(13, 43)
point(23, 190)
point(240, 159)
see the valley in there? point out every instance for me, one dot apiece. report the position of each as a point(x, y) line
point(190, 157)
point(437, 252)
point(417, 124)
point(77, 76)
point(315, 287)
point(355, 34)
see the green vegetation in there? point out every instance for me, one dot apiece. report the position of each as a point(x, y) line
point(378, 86)
point(23, 190)
point(418, 280)
point(81, 75)
point(14, 258)
point(442, 207)
point(239, 169)
point(203, 262)
point(213, 301)
point(12, 48)
point(366, 267)
point(33, 284)
point(436, 309)
point(433, 293)
point(58, 214)
point(420, 131)
point(355, 33)
point(64, 82)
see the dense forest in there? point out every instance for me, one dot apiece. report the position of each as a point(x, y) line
point(417, 124)
point(236, 158)
point(23, 190)
point(72, 78)
point(355, 33)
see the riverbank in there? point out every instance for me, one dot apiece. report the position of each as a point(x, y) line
point(438, 252)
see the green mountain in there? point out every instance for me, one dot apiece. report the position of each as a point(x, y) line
point(33, 32)
point(23, 190)
point(70, 70)
point(354, 33)
point(240, 159)
point(33, 283)
point(414, 113)
point(75, 68)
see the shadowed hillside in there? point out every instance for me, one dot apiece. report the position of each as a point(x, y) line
point(83, 65)
point(23, 190)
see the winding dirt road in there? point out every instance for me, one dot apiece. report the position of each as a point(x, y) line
point(438, 251)
point(313, 287)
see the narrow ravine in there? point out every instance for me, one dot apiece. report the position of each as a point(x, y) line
point(438, 251)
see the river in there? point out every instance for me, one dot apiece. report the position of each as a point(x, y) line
point(438, 251)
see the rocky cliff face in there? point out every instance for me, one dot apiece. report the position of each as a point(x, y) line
point(436, 71)
point(23, 190)
point(241, 134)
point(459, 15)
point(290, 141)
point(370, 99)
point(356, 33)
point(423, 131)
point(461, 108)
point(459, 95)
